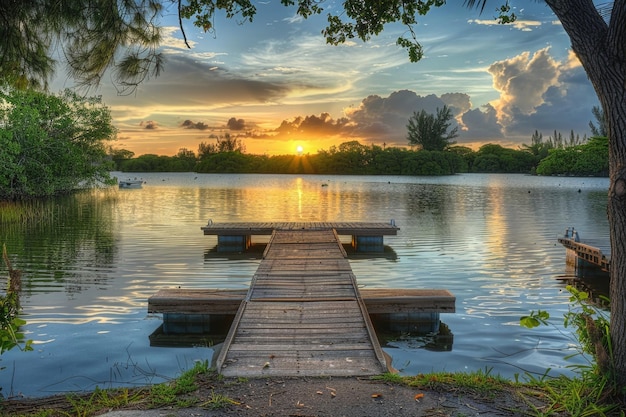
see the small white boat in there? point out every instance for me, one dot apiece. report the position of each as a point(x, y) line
point(131, 183)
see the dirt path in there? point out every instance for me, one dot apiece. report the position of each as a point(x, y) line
point(353, 397)
point(307, 397)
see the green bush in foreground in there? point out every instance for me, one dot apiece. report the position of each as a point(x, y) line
point(596, 391)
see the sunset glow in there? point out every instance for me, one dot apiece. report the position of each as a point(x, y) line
point(275, 81)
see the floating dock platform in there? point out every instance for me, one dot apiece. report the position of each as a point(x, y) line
point(237, 236)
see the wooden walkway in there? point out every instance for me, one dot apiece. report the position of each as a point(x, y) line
point(303, 315)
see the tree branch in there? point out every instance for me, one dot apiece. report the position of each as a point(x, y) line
point(180, 24)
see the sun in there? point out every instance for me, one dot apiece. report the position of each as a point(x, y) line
point(299, 149)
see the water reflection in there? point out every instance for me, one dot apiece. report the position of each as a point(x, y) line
point(71, 251)
point(489, 239)
point(590, 279)
point(411, 338)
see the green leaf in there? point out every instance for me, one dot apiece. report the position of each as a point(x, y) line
point(529, 322)
point(535, 319)
point(17, 322)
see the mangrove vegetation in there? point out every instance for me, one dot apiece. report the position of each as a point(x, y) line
point(52, 144)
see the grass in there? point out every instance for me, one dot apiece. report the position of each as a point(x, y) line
point(177, 393)
point(102, 399)
point(218, 401)
point(26, 212)
point(49, 210)
point(481, 382)
point(583, 396)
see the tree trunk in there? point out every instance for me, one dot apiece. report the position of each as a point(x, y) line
point(601, 49)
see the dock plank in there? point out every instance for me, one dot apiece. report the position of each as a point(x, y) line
point(329, 331)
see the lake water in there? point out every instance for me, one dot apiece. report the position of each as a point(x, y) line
point(489, 239)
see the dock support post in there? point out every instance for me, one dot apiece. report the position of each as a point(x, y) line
point(571, 258)
point(368, 243)
point(416, 322)
point(235, 243)
point(177, 323)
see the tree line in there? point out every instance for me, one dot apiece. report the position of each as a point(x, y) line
point(589, 158)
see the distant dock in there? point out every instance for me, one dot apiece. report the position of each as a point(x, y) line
point(303, 314)
point(581, 255)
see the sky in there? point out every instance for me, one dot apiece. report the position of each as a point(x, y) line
point(276, 85)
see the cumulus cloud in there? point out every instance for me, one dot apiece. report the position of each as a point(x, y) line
point(236, 124)
point(567, 106)
point(323, 124)
point(392, 110)
point(538, 92)
point(481, 125)
point(535, 92)
point(522, 82)
point(149, 124)
point(458, 102)
point(169, 40)
point(377, 119)
point(188, 124)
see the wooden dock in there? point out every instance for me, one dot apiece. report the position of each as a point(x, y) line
point(580, 254)
point(303, 315)
point(237, 237)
